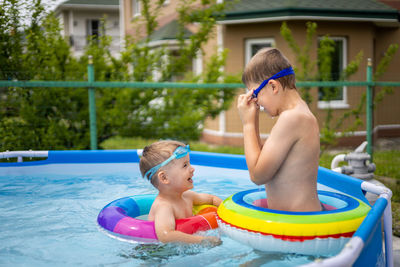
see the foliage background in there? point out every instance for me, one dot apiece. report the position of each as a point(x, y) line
point(57, 118)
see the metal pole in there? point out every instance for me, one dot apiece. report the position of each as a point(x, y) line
point(370, 108)
point(92, 106)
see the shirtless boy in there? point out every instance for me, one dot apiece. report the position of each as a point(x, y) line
point(167, 165)
point(287, 163)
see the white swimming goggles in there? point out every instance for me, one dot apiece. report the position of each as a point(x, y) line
point(180, 152)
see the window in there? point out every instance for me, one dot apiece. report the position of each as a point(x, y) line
point(335, 97)
point(136, 8)
point(93, 28)
point(93, 31)
point(253, 45)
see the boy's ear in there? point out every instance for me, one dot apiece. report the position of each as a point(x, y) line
point(275, 86)
point(162, 177)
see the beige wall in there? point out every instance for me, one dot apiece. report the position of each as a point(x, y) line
point(359, 35)
point(388, 110)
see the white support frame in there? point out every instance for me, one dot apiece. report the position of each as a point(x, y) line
point(353, 248)
point(21, 154)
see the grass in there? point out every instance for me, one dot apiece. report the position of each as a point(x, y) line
point(387, 162)
point(139, 143)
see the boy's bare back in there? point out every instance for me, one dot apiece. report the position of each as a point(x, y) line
point(294, 146)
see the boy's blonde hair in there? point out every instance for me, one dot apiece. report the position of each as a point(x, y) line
point(156, 153)
point(265, 63)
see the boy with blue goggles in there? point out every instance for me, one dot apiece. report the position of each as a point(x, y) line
point(287, 161)
point(179, 152)
point(175, 199)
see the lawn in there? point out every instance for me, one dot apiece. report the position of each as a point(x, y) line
point(387, 162)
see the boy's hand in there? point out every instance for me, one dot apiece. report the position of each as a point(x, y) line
point(212, 241)
point(248, 108)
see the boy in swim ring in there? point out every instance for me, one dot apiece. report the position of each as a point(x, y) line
point(287, 163)
point(167, 165)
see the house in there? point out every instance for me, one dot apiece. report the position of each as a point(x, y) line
point(82, 18)
point(165, 35)
point(369, 26)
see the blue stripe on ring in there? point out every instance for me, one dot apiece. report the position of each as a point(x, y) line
point(128, 204)
point(351, 203)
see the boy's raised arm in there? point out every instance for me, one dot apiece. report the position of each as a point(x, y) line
point(248, 111)
point(202, 198)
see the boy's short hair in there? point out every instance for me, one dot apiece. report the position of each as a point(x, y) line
point(265, 63)
point(156, 153)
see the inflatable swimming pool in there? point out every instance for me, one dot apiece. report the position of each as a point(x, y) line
point(364, 248)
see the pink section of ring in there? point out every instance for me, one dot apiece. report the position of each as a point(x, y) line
point(137, 228)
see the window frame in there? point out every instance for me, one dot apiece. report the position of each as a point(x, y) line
point(252, 41)
point(136, 8)
point(343, 103)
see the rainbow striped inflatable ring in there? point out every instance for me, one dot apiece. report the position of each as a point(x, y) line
point(119, 219)
point(309, 233)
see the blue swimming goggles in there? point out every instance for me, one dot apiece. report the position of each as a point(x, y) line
point(280, 74)
point(180, 152)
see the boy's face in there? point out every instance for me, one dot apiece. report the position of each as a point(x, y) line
point(180, 173)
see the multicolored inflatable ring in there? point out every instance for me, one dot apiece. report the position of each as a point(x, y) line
point(119, 219)
point(293, 232)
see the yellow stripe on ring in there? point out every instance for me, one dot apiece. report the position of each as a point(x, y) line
point(291, 229)
point(196, 209)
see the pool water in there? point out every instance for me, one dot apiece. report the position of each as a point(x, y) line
point(48, 218)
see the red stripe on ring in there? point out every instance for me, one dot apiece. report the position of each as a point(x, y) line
point(291, 238)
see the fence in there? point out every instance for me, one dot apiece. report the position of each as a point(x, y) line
point(91, 84)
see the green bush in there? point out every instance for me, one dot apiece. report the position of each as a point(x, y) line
point(57, 118)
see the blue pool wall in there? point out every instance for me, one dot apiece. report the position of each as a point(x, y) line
point(343, 183)
point(371, 253)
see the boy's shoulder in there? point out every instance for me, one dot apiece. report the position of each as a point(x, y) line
point(298, 114)
point(295, 123)
point(160, 203)
point(297, 117)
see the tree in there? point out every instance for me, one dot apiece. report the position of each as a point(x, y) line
point(172, 113)
point(38, 118)
point(57, 118)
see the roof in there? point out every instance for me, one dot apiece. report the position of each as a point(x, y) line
point(169, 31)
point(89, 5)
point(328, 9)
point(91, 2)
